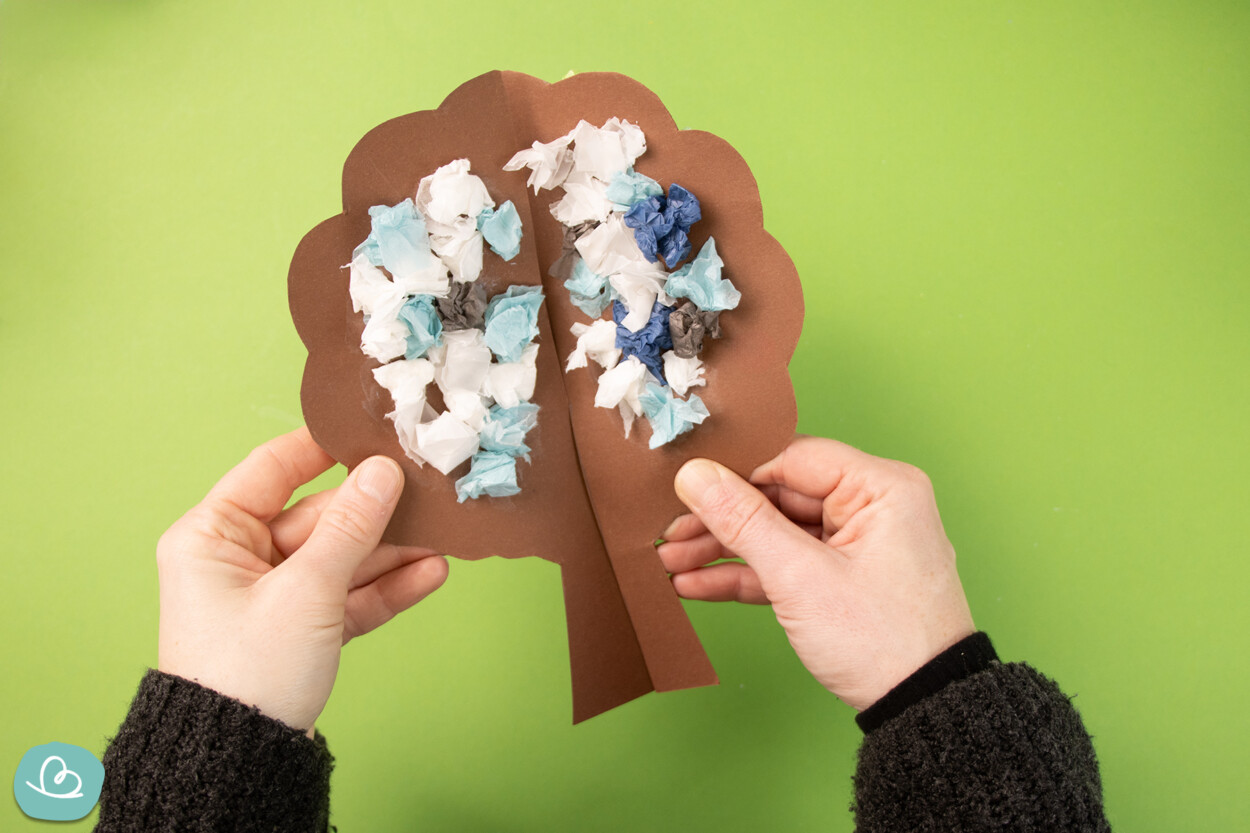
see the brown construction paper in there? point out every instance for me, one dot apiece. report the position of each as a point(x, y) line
point(591, 500)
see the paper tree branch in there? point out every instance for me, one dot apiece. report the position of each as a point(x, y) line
point(592, 501)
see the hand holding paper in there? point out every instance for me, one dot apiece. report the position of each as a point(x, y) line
point(848, 549)
point(257, 600)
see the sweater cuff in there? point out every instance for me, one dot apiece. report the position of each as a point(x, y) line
point(188, 758)
point(963, 659)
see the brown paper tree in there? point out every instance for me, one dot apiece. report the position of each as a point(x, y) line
point(592, 501)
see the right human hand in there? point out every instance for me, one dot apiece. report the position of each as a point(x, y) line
point(848, 549)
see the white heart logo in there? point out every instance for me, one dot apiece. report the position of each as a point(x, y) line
point(57, 779)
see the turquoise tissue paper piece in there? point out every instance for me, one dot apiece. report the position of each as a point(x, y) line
point(400, 237)
point(512, 321)
point(369, 249)
point(588, 291)
point(502, 229)
point(504, 429)
point(628, 187)
point(669, 416)
point(700, 281)
point(490, 473)
point(424, 326)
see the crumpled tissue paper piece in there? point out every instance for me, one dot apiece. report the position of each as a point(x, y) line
point(464, 307)
point(512, 321)
point(670, 416)
point(368, 284)
point(639, 291)
point(370, 250)
point(549, 163)
point(461, 362)
point(466, 406)
point(398, 241)
point(406, 381)
point(562, 269)
point(490, 473)
point(385, 337)
point(603, 151)
point(661, 226)
point(462, 254)
point(446, 442)
point(589, 292)
point(650, 223)
point(595, 341)
point(683, 208)
point(610, 249)
point(622, 385)
point(502, 229)
point(504, 429)
point(682, 373)
point(513, 382)
point(700, 281)
point(628, 187)
point(451, 196)
point(425, 330)
point(398, 232)
point(687, 324)
point(451, 199)
point(649, 342)
point(585, 200)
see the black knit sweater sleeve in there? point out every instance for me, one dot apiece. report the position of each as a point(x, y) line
point(1001, 748)
point(189, 759)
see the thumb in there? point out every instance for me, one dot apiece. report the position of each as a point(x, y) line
point(350, 528)
point(739, 516)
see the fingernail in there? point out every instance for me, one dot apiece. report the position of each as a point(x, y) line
point(669, 530)
point(694, 479)
point(380, 479)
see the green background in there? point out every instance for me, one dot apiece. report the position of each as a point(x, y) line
point(1022, 231)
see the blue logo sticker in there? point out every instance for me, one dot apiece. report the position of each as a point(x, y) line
point(58, 782)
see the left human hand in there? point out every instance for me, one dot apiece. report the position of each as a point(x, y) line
point(257, 600)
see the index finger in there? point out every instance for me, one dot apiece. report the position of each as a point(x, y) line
point(263, 483)
point(814, 466)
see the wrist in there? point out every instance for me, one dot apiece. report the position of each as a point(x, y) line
point(187, 752)
point(966, 657)
point(246, 685)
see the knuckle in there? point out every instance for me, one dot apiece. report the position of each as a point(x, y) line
point(165, 544)
point(174, 543)
point(164, 556)
point(351, 523)
point(913, 479)
point(740, 516)
point(267, 453)
point(916, 476)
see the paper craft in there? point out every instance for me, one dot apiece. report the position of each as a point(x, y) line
point(591, 498)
